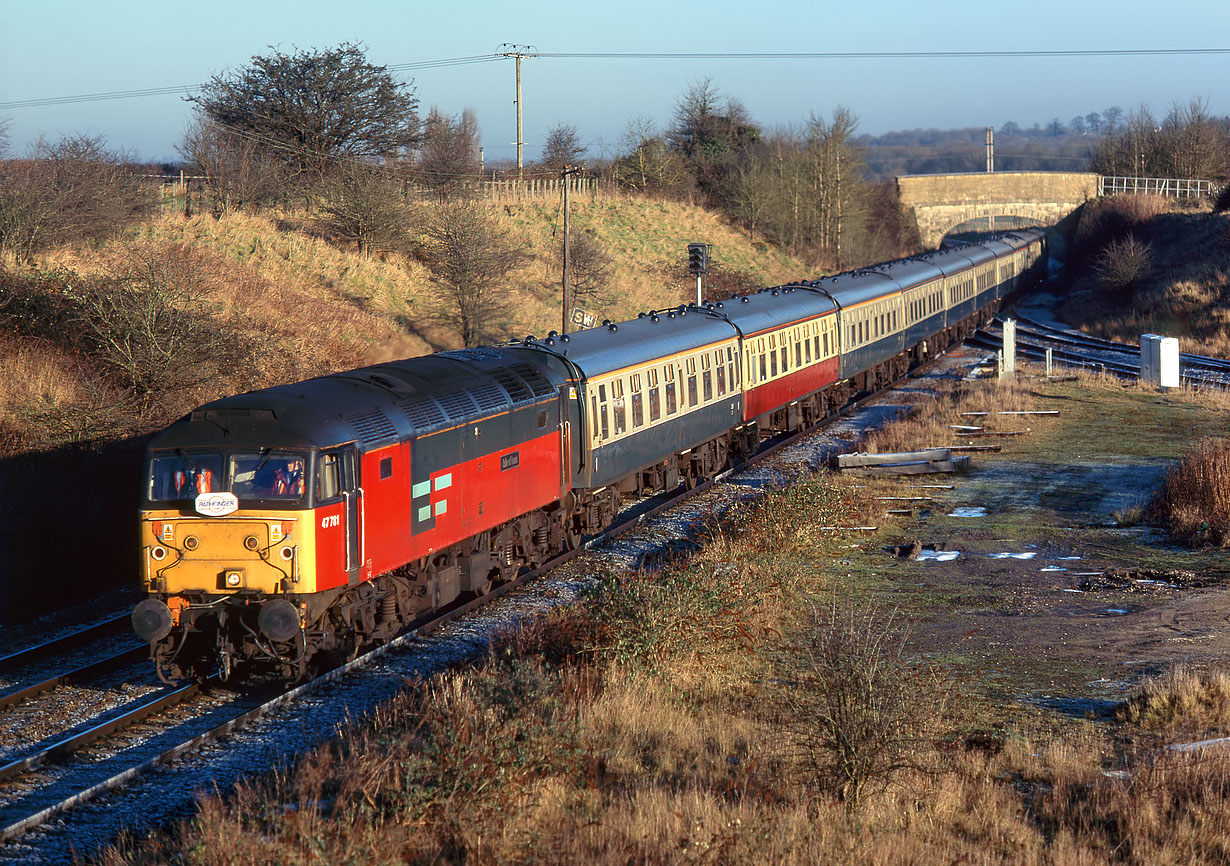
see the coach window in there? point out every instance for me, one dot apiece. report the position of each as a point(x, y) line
point(672, 404)
point(721, 379)
point(638, 411)
point(617, 406)
point(785, 353)
point(602, 415)
point(655, 411)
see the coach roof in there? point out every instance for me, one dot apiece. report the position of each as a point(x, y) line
point(610, 347)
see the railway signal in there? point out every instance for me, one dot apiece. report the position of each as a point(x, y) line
point(698, 263)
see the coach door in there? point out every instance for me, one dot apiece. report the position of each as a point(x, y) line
point(352, 495)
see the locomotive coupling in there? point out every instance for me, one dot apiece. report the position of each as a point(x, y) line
point(152, 620)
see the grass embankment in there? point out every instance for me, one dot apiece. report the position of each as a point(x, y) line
point(103, 345)
point(1142, 264)
point(764, 701)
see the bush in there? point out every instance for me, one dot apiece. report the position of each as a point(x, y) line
point(1222, 203)
point(859, 711)
point(1183, 700)
point(1124, 265)
point(1194, 500)
point(74, 190)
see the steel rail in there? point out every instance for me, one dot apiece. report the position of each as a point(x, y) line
point(62, 749)
point(1058, 335)
point(12, 698)
point(59, 644)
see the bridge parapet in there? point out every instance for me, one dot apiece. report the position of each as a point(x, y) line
point(940, 202)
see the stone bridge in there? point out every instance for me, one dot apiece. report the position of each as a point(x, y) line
point(986, 200)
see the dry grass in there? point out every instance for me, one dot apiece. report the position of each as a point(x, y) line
point(933, 416)
point(1184, 291)
point(1194, 501)
point(661, 723)
point(1182, 701)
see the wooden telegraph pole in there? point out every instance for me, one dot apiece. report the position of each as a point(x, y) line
point(565, 174)
point(517, 52)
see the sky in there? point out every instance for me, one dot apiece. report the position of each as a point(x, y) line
point(68, 48)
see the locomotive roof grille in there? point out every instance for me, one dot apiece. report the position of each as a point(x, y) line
point(517, 390)
point(489, 396)
point(424, 413)
point(372, 425)
point(457, 405)
point(533, 377)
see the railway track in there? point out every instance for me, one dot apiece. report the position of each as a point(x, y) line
point(23, 814)
point(1075, 349)
point(88, 634)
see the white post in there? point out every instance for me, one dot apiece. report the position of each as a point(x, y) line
point(1009, 347)
point(1149, 359)
point(1050, 362)
point(1168, 363)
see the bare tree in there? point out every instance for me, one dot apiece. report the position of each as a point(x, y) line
point(470, 258)
point(5, 124)
point(71, 190)
point(589, 267)
point(363, 205)
point(562, 148)
point(147, 321)
point(648, 163)
point(448, 155)
point(238, 171)
point(313, 108)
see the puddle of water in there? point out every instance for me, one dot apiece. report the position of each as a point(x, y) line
point(1062, 558)
point(1116, 611)
point(1077, 591)
point(1029, 555)
point(939, 555)
point(1052, 568)
point(968, 511)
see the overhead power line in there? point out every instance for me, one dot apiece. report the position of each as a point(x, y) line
point(882, 55)
point(188, 89)
point(667, 55)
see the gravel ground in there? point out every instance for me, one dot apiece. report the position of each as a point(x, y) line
point(161, 797)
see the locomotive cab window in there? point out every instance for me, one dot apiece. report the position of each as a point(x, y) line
point(328, 477)
point(268, 475)
point(184, 476)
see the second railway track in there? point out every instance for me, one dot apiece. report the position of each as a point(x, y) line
point(1073, 348)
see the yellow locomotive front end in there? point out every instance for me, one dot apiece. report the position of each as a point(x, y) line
point(227, 551)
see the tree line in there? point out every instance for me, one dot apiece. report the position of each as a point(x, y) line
point(331, 133)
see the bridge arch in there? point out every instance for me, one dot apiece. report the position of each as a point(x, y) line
point(941, 203)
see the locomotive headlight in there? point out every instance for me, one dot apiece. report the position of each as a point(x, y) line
point(251, 543)
point(191, 543)
point(158, 552)
point(288, 553)
point(234, 578)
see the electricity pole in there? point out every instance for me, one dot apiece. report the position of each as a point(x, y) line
point(566, 173)
point(990, 149)
point(518, 52)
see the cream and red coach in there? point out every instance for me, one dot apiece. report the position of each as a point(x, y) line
point(321, 515)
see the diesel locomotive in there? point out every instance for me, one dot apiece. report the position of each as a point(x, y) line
point(315, 518)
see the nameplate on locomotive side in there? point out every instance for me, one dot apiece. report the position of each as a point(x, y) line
point(216, 504)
